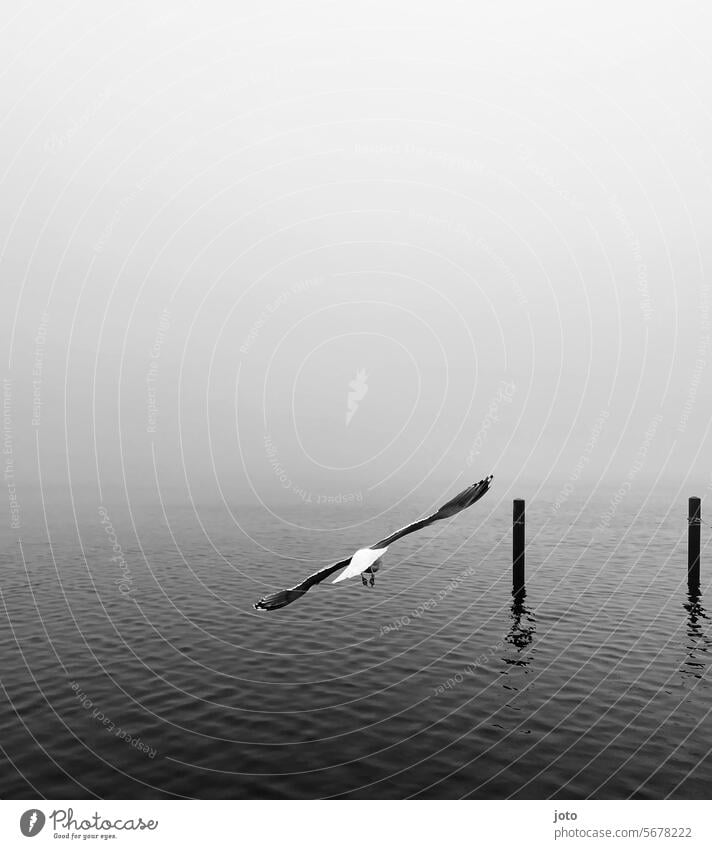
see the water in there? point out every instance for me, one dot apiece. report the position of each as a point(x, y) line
point(435, 683)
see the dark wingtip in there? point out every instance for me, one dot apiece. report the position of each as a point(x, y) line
point(465, 499)
point(279, 599)
point(485, 483)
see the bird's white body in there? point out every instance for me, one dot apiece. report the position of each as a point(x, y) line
point(365, 558)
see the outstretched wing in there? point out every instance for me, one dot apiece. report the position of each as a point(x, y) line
point(460, 502)
point(284, 597)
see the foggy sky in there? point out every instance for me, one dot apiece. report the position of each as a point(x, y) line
point(495, 222)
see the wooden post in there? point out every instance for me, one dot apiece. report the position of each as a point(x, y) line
point(518, 546)
point(694, 518)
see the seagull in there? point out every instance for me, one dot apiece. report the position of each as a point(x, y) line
point(367, 561)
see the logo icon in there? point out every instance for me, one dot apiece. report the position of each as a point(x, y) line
point(32, 822)
point(359, 388)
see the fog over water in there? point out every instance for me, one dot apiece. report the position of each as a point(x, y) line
point(278, 277)
point(215, 221)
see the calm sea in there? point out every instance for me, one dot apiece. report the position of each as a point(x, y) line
point(133, 664)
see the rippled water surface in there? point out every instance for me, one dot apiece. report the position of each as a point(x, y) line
point(435, 683)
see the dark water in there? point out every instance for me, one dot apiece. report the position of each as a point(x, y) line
point(435, 683)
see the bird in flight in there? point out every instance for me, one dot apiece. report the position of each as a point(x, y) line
point(366, 561)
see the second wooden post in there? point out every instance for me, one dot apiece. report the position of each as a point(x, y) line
point(518, 539)
point(693, 542)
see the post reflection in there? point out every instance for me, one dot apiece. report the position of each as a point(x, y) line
point(697, 644)
point(521, 631)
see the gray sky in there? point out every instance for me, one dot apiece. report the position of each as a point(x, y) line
point(355, 249)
